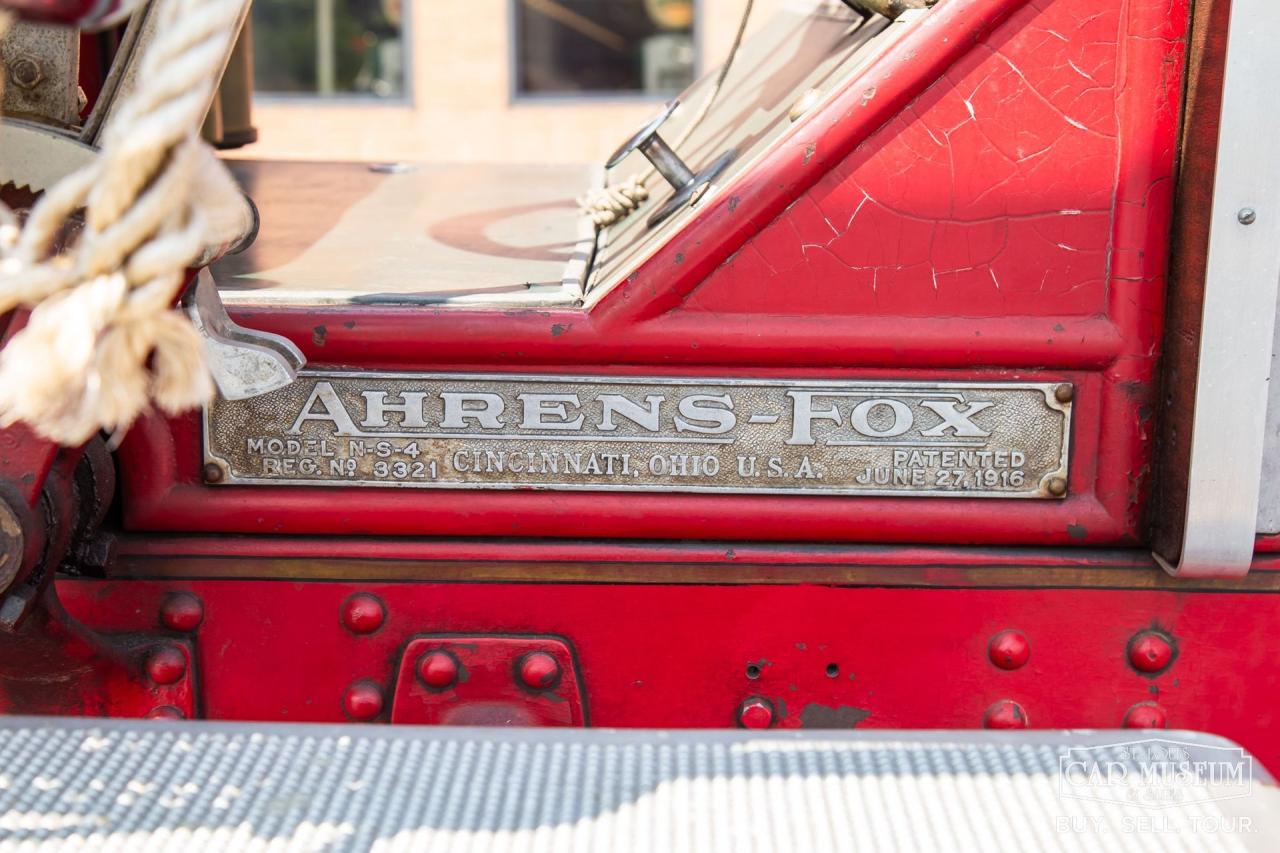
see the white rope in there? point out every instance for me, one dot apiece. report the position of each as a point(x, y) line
point(103, 340)
point(613, 203)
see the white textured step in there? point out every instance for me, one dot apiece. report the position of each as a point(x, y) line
point(150, 785)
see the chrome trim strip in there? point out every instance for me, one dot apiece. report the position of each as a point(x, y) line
point(1241, 284)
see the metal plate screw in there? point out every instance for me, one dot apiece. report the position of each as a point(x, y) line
point(1064, 393)
point(25, 72)
point(539, 671)
point(438, 670)
point(363, 613)
point(181, 611)
point(1247, 216)
point(1009, 649)
point(1150, 652)
point(363, 701)
point(166, 666)
point(755, 713)
point(166, 712)
point(1145, 715)
point(1058, 487)
point(1005, 714)
point(213, 473)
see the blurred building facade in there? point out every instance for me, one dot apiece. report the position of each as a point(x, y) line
point(554, 81)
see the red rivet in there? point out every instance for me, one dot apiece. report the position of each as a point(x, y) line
point(438, 670)
point(1005, 714)
point(363, 613)
point(539, 671)
point(167, 666)
point(363, 700)
point(166, 712)
point(1145, 715)
point(1009, 649)
point(1150, 652)
point(755, 713)
point(181, 611)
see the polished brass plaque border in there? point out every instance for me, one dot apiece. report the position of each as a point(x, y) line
point(628, 433)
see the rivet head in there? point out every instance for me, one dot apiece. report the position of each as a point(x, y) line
point(166, 712)
point(1009, 649)
point(1057, 487)
point(539, 671)
point(1247, 216)
point(1145, 715)
point(213, 473)
point(166, 666)
point(181, 611)
point(363, 700)
point(1064, 392)
point(1150, 652)
point(438, 670)
point(1005, 714)
point(363, 613)
point(755, 713)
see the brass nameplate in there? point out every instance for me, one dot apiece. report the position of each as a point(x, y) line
point(935, 439)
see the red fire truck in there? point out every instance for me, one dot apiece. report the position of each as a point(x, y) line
point(921, 385)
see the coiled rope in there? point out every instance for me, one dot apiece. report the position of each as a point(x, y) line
point(103, 341)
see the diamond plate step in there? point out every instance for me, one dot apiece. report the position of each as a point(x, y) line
point(192, 786)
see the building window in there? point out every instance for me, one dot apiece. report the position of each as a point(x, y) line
point(566, 47)
point(330, 47)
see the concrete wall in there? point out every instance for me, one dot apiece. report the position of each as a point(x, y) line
point(462, 108)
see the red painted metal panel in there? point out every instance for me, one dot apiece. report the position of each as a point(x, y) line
point(487, 680)
point(1074, 108)
point(161, 469)
point(687, 656)
point(1034, 179)
point(54, 666)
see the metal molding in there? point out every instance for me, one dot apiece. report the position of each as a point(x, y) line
point(1241, 285)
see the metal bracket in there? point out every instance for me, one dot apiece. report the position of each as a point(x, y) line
point(244, 362)
point(1242, 281)
point(683, 180)
point(488, 680)
point(888, 8)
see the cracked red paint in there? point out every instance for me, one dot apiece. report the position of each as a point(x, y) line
point(999, 208)
point(996, 192)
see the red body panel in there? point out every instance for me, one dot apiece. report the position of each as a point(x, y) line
point(679, 655)
point(487, 681)
point(988, 201)
point(1074, 108)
